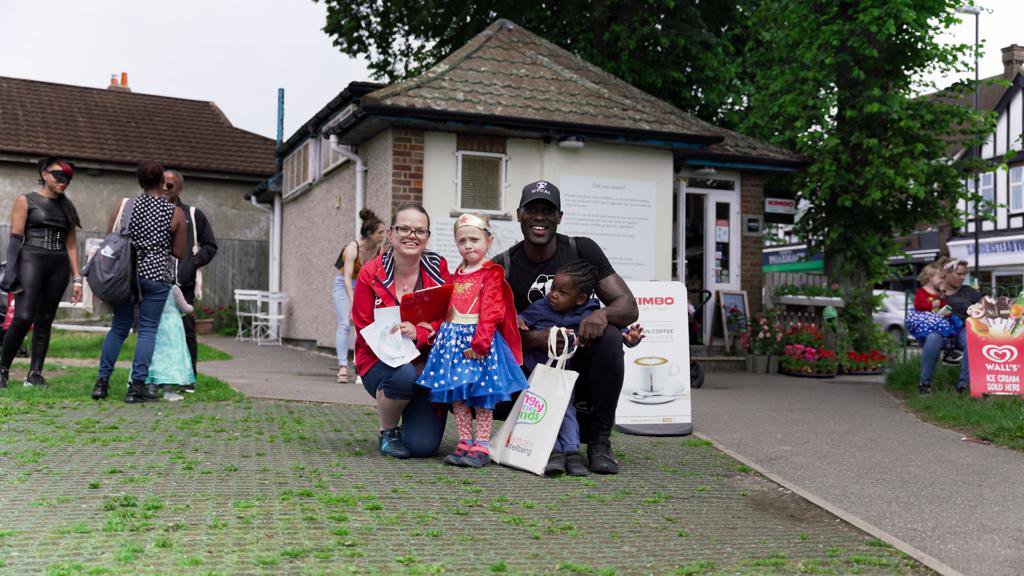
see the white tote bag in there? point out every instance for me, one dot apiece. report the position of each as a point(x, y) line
point(528, 435)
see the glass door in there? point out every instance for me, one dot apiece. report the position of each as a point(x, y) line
point(722, 249)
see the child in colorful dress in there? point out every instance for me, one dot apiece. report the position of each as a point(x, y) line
point(171, 363)
point(475, 360)
point(931, 314)
point(568, 302)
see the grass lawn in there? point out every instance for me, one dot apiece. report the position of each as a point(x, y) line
point(65, 344)
point(998, 419)
point(74, 383)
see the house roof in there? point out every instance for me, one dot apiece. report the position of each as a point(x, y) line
point(120, 127)
point(991, 92)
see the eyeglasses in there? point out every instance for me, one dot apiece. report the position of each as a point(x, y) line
point(405, 232)
point(60, 176)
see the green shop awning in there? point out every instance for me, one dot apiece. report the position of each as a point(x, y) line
point(792, 259)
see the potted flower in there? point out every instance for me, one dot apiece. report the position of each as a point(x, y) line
point(871, 362)
point(808, 361)
point(767, 344)
point(736, 323)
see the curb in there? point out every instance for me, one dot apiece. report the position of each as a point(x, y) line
point(926, 559)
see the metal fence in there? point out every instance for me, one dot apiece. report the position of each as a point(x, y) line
point(239, 264)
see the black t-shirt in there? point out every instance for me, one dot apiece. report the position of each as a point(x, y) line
point(960, 300)
point(530, 280)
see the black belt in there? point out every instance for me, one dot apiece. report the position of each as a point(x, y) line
point(47, 238)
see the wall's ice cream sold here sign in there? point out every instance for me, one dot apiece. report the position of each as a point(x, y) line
point(995, 346)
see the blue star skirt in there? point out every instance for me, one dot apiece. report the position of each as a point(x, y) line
point(921, 324)
point(451, 377)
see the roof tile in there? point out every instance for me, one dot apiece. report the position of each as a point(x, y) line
point(39, 118)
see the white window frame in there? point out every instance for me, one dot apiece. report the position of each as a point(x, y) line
point(1018, 186)
point(326, 165)
point(290, 184)
point(502, 181)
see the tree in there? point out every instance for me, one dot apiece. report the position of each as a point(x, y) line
point(837, 81)
point(678, 50)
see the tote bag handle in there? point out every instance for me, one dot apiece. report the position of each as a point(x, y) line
point(557, 359)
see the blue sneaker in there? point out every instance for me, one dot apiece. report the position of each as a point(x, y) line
point(391, 444)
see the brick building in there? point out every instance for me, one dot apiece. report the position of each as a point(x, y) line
point(666, 195)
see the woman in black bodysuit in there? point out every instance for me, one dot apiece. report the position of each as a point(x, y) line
point(41, 257)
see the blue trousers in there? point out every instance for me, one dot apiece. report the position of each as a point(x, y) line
point(151, 306)
point(342, 309)
point(569, 434)
point(422, 425)
point(933, 346)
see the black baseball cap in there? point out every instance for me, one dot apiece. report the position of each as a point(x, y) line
point(541, 190)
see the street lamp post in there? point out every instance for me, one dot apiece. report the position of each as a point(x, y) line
point(976, 11)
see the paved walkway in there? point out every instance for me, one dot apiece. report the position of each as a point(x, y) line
point(849, 443)
point(282, 373)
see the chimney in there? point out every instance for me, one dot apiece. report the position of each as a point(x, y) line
point(121, 86)
point(1013, 61)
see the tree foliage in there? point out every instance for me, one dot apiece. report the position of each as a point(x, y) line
point(838, 81)
point(678, 50)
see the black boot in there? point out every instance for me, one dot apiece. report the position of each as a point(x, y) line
point(100, 389)
point(34, 379)
point(137, 393)
point(4, 375)
point(599, 452)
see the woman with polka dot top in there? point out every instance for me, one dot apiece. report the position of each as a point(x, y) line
point(157, 230)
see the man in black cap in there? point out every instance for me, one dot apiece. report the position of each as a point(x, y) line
point(530, 266)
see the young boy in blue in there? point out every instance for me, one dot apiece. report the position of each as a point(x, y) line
point(567, 303)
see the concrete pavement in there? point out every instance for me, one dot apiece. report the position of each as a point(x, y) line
point(849, 443)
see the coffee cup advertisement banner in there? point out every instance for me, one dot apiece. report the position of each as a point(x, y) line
point(655, 396)
point(995, 346)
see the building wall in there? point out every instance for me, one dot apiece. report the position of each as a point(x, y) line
point(751, 257)
point(531, 159)
point(96, 192)
point(315, 227)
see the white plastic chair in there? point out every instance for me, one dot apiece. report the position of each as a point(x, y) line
point(247, 306)
point(267, 323)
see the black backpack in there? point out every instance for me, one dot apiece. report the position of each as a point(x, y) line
point(111, 270)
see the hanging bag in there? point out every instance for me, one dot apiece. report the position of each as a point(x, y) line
point(110, 271)
point(526, 438)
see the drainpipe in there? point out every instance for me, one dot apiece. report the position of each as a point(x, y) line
point(274, 275)
point(360, 177)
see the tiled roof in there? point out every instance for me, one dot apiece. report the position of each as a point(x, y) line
point(508, 71)
point(38, 118)
point(990, 92)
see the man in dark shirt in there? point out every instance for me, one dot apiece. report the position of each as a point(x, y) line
point(530, 266)
point(202, 247)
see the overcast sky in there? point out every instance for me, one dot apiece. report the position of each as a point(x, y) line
point(238, 52)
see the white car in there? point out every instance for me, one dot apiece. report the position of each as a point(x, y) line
point(891, 316)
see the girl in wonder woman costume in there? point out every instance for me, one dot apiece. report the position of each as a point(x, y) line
point(474, 363)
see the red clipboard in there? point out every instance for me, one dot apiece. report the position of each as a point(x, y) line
point(429, 305)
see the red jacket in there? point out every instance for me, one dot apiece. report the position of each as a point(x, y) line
point(375, 289)
point(496, 306)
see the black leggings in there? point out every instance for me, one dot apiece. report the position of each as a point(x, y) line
point(44, 276)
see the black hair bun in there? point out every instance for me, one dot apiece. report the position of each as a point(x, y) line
point(367, 214)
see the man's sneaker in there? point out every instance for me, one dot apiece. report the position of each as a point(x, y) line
point(477, 457)
point(574, 465)
point(188, 388)
point(100, 389)
point(601, 459)
point(34, 379)
point(138, 393)
point(455, 458)
point(556, 464)
point(4, 375)
point(391, 444)
point(924, 388)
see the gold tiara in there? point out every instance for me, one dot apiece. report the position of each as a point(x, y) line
point(472, 220)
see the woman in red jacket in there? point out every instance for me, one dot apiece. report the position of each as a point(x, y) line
point(404, 268)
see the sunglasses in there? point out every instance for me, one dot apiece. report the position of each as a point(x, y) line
point(60, 176)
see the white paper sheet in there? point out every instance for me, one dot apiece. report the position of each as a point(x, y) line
point(392, 349)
